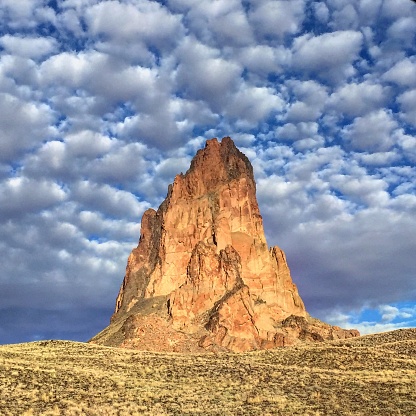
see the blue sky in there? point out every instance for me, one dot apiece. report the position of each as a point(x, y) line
point(102, 103)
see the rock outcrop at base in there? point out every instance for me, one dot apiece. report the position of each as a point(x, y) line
point(204, 266)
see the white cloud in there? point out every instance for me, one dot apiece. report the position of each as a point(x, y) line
point(329, 56)
point(275, 188)
point(125, 163)
point(244, 139)
point(204, 75)
point(369, 10)
point(407, 102)
point(22, 125)
point(402, 73)
point(88, 144)
point(102, 83)
point(321, 11)
point(158, 129)
point(70, 20)
point(100, 75)
point(345, 17)
point(66, 68)
point(28, 47)
point(94, 224)
point(223, 22)
point(354, 99)
point(232, 29)
point(389, 313)
point(75, 157)
point(304, 134)
point(395, 9)
point(168, 169)
point(146, 20)
point(278, 17)
point(252, 104)
point(367, 190)
point(22, 13)
point(365, 327)
point(108, 200)
point(20, 196)
point(378, 158)
point(311, 101)
point(403, 30)
point(52, 155)
point(303, 193)
point(371, 132)
point(407, 143)
point(16, 75)
point(263, 59)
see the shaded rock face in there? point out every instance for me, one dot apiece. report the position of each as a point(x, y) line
point(205, 252)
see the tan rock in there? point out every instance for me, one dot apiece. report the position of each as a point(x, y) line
point(204, 249)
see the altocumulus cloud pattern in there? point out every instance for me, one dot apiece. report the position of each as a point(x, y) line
point(103, 102)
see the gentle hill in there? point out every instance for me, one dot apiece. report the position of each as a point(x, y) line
point(371, 375)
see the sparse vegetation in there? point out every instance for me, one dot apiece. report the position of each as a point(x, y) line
point(374, 375)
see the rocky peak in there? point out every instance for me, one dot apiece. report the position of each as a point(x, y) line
point(203, 260)
point(217, 164)
point(221, 161)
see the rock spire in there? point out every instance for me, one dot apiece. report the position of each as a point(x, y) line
point(202, 275)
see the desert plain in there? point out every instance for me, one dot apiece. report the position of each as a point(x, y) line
point(368, 375)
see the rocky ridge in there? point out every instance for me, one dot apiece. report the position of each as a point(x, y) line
point(202, 276)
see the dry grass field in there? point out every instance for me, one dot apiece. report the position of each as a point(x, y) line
point(372, 375)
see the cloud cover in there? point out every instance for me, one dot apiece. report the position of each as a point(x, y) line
point(103, 102)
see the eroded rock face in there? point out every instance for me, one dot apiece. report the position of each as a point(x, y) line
point(204, 249)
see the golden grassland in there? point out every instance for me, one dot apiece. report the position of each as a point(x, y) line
point(372, 375)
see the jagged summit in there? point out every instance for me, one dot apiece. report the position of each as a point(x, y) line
point(231, 162)
point(202, 275)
